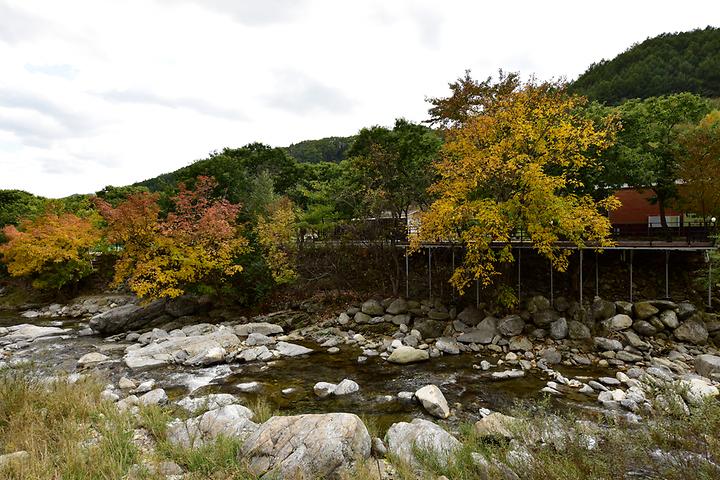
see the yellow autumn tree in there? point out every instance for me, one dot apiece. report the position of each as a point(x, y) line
point(515, 164)
point(276, 236)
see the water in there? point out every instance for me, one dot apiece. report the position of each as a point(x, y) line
point(466, 389)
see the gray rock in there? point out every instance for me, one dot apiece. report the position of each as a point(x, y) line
point(252, 354)
point(520, 343)
point(405, 354)
point(249, 387)
point(686, 310)
point(602, 309)
point(551, 356)
point(346, 387)
point(154, 397)
point(28, 333)
point(538, 303)
point(263, 328)
point(447, 345)
point(617, 322)
point(483, 333)
point(543, 318)
point(257, 339)
point(307, 446)
point(634, 341)
point(361, 317)
point(437, 314)
point(604, 344)
point(510, 326)
point(324, 389)
point(433, 401)
point(470, 316)
point(692, 331)
point(429, 328)
point(402, 319)
point(127, 317)
point(92, 358)
point(559, 329)
point(291, 350)
point(644, 328)
point(645, 310)
point(626, 308)
point(498, 426)
point(578, 331)
point(212, 401)
point(708, 366)
point(397, 307)
point(233, 421)
point(372, 308)
point(404, 439)
point(669, 318)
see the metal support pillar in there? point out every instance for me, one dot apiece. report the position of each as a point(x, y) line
point(597, 274)
point(581, 276)
point(519, 270)
point(709, 282)
point(552, 290)
point(407, 274)
point(430, 271)
point(631, 275)
point(667, 274)
point(477, 294)
point(452, 287)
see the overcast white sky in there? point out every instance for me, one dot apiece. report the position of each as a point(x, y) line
point(103, 92)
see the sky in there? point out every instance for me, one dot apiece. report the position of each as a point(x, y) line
point(102, 92)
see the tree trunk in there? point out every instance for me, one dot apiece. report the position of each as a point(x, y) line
point(663, 219)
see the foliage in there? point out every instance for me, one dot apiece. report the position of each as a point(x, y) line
point(699, 166)
point(17, 204)
point(115, 195)
point(194, 247)
point(276, 236)
point(53, 250)
point(330, 149)
point(515, 166)
point(666, 64)
point(647, 145)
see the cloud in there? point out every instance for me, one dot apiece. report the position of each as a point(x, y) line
point(17, 26)
point(63, 71)
point(429, 25)
point(253, 12)
point(146, 97)
point(300, 94)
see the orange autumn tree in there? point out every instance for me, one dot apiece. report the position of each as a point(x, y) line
point(53, 250)
point(512, 164)
point(195, 246)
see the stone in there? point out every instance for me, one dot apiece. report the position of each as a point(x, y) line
point(617, 322)
point(692, 331)
point(249, 387)
point(483, 333)
point(254, 353)
point(346, 387)
point(497, 425)
point(433, 401)
point(602, 309)
point(520, 343)
point(695, 391)
point(708, 366)
point(306, 446)
point(28, 333)
point(543, 318)
point(669, 318)
point(257, 339)
point(372, 308)
point(604, 344)
point(448, 345)
point(551, 356)
point(361, 318)
point(92, 358)
point(291, 350)
point(397, 307)
point(634, 341)
point(436, 314)
point(127, 317)
point(233, 421)
point(628, 357)
point(559, 329)
point(507, 374)
point(154, 397)
point(644, 328)
point(429, 328)
point(470, 316)
point(685, 310)
point(510, 325)
point(626, 308)
point(324, 389)
point(538, 303)
point(209, 402)
point(405, 354)
point(145, 386)
point(263, 328)
point(126, 384)
point(208, 356)
point(402, 319)
point(645, 310)
point(343, 319)
point(578, 331)
point(404, 439)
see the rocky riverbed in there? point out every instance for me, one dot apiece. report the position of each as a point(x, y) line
point(409, 365)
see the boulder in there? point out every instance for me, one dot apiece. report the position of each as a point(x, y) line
point(405, 354)
point(669, 318)
point(696, 390)
point(397, 307)
point(551, 356)
point(28, 333)
point(617, 322)
point(543, 318)
point(208, 402)
point(324, 389)
point(497, 425)
point(404, 439)
point(433, 401)
point(510, 326)
point(604, 344)
point(645, 310)
point(127, 317)
point(644, 328)
point(291, 350)
point(520, 343)
point(447, 345)
point(232, 421)
point(92, 358)
point(685, 310)
point(372, 308)
point(692, 331)
point(361, 317)
point(708, 366)
point(183, 306)
point(255, 353)
point(429, 328)
point(559, 329)
point(154, 397)
point(470, 316)
point(257, 339)
point(626, 308)
point(263, 328)
point(537, 303)
point(634, 341)
point(306, 446)
point(578, 331)
point(483, 333)
point(346, 387)
point(602, 309)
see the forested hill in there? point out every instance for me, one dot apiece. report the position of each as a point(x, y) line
point(666, 64)
point(330, 149)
